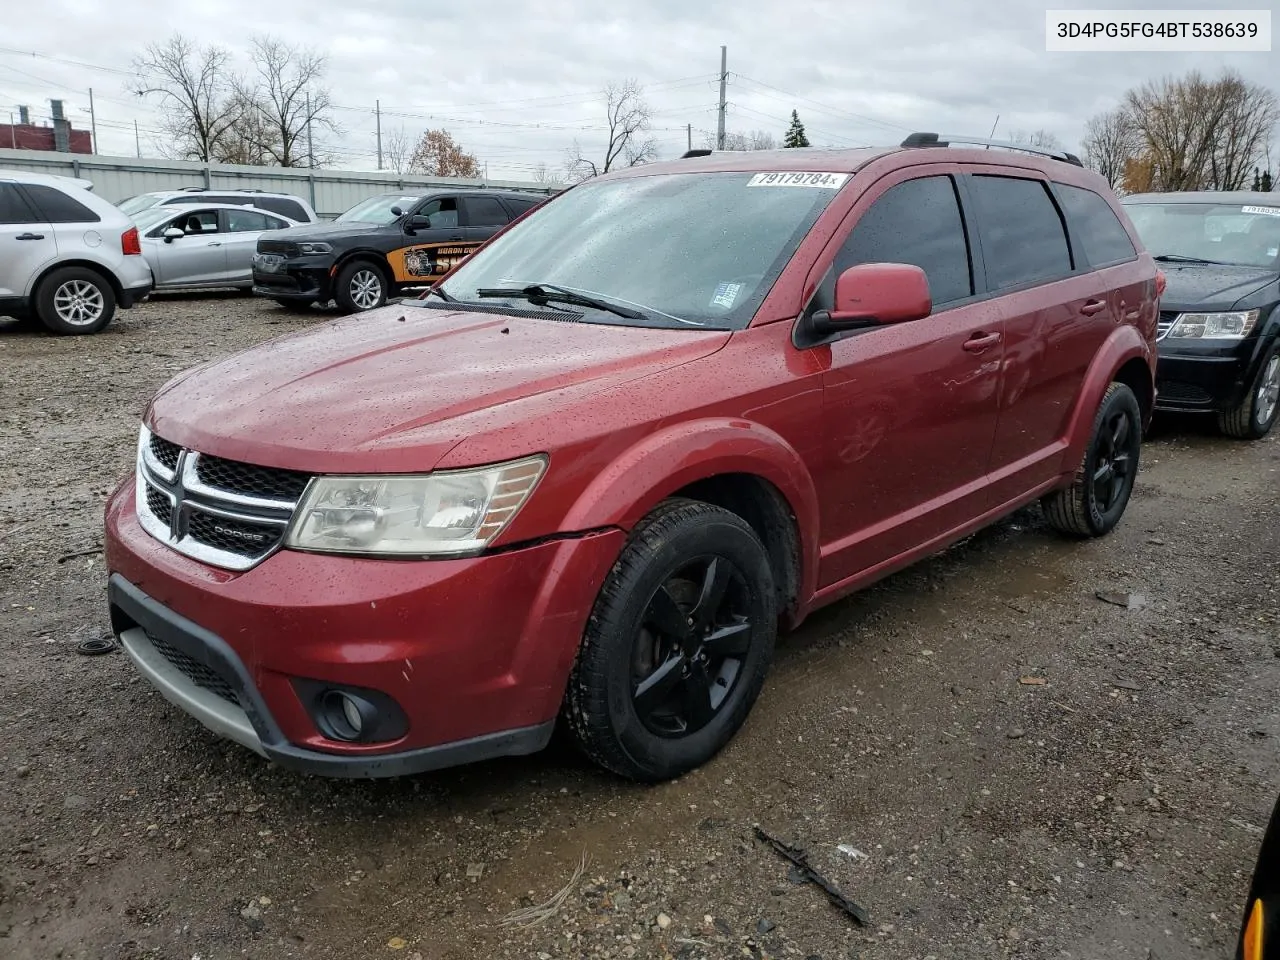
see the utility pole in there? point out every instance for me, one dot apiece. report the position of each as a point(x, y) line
point(93, 122)
point(311, 150)
point(688, 132)
point(137, 139)
point(13, 131)
point(724, 76)
point(377, 109)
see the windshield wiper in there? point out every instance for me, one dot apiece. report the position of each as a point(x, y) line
point(441, 294)
point(543, 293)
point(1179, 258)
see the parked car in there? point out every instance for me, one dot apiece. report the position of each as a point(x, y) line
point(1260, 927)
point(205, 245)
point(381, 246)
point(68, 258)
point(283, 204)
point(1219, 339)
point(591, 472)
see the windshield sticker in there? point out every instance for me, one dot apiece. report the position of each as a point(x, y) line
point(825, 181)
point(1273, 251)
point(726, 293)
point(1265, 211)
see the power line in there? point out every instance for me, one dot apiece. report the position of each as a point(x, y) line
point(822, 106)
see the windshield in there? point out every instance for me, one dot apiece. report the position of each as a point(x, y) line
point(377, 210)
point(150, 217)
point(683, 249)
point(137, 204)
point(1244, 234)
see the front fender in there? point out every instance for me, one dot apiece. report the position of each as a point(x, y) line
point(662, 463)
point(1123, 345)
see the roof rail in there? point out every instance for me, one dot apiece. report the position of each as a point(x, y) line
point(934, 140)
point(192, 189)
point(695, 153)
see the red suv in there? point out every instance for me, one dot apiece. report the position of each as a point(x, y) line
point(593, 471)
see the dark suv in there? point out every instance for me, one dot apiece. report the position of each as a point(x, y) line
point(588, 476)
point(1219, 338)
point(381, 246)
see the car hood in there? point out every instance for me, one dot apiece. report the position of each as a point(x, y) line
point(385, 391)
point(1196, 286)
point(324, 228)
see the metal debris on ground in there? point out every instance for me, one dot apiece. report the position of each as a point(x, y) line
point(799, 860)
point(96, 646)
point(1032, 681)
point(79, 553)
point(532, 916)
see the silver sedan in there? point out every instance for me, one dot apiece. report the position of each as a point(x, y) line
point(210, 245)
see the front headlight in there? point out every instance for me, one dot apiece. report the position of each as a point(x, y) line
point(309, 248)
point(434, 514)
point(1214, 326)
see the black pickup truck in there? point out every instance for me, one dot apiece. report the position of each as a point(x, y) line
point(381, 246)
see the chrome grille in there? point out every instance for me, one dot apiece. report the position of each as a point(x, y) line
point(251, 480)
point(221, 512)
point(1165, 323)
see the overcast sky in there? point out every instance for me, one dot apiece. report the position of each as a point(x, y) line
point(516, 83)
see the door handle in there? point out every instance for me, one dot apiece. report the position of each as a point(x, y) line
point(454, 239)
point(215, 243)
point(1093, 306)
point(29, 236)
point(981, 341)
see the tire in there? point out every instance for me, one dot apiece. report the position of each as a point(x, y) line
point(361, 285)
point(1254, 416)
point(697, 696)
point(73, 301)
point(1086, 508)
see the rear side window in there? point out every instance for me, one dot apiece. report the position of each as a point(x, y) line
point(13, 208)
point(56, 207)
point(1095, 225)
point(519, 205)
point(283, 206)
point(1023, 240)
point(916, 222)
point(485, 212)
point(242, 221)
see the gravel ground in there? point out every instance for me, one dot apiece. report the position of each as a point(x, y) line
point(1109, 809)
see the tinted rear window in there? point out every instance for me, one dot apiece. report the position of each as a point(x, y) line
point(283, 206)
point(1023, 240)
point(13, 208)
point(916, 222)
point(485, 212)
point(56, 207)
point(1095, 225)
point(519, 205)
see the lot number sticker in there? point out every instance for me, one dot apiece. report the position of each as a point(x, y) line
point(824, 181)
point(1265, 211)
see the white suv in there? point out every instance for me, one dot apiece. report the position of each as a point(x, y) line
point(68, 258)
point(284, 204)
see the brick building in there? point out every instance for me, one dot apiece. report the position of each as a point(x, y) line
point(25, 135)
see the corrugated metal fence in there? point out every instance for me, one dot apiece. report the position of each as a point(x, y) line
point(329, 192)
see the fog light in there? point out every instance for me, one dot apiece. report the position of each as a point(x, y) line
point(352, 713)
point(347, 717)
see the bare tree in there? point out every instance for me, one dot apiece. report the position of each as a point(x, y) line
point(287, 95)
point(1199, 134)
point(542, 174)
point(755, 140)
point(437, 154)
point(627, 115)
point(1110, 142)
point(1040, 139)
point(397, 150)
point(196, 94)
point(247, 140)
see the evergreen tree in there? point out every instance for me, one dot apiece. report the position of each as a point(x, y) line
point(1266, 181)
point(1257, 181)
point(795, 133)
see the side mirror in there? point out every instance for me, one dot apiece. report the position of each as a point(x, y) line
point(872, 294)
point(172, 234)
point(417, 223)
point(397, 210)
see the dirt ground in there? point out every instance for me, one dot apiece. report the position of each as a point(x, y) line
point(1111, 811)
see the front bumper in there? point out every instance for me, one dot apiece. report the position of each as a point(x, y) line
point(1201, 381)
point(295, 281)
point(475, 652)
